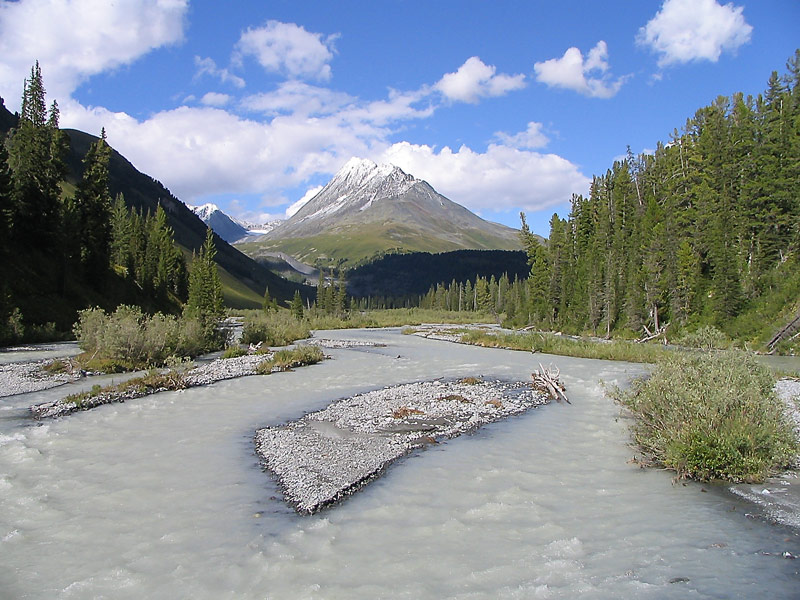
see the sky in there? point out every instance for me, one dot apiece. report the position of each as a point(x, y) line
point(502, 106)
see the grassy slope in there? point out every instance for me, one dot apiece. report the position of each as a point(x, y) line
point(352, 244)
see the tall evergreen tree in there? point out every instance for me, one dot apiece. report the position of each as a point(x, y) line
point(205, 302)
point(35, 150)
point(93, 205)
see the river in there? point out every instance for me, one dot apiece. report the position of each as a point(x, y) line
point(163, 497)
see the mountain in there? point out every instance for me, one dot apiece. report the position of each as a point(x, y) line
point(228, 228)
point(369, 209)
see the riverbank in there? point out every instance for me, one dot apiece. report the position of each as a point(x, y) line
point(328, 455)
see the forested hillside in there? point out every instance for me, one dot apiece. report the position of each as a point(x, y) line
point(706, 230)
point(63, 248)
point(413, 273)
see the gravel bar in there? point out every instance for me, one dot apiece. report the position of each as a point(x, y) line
point(326, 456)
point(25, 377)
point(205, 374)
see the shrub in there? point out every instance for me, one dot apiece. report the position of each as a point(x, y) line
point(711, 416)
point(273, 328)
point(705, 338)
point(128, 339)
point(297, 357)
point(234, 352)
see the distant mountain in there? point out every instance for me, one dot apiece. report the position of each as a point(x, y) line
point(228, 228)
point(369, 209)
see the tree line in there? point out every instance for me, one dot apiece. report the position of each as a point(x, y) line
point(698, 232)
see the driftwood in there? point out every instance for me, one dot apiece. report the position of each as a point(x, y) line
point(547, 381)
point(651, 336)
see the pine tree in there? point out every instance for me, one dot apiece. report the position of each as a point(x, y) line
point(205, 302)
point(296, 307)
point(93, 204)
point(35, 150)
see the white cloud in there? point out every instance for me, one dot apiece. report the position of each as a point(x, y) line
point(202, 151)
point(532, 137)
point(74, 39)
point(474, 80)
point(300, 203)
point(207, 66)
point(215, 99)
point(687, 30)
point(502, 178)
point(587, 76)
point(297, 97)
point(288, 48)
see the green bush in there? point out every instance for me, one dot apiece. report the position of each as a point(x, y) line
point(234, 352)
point(705, 338)
point(289, 358)
point(297, 357)
point(711, 416)
point(128, 339)
point(273, 328)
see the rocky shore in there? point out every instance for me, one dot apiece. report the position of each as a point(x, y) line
point(328, 455)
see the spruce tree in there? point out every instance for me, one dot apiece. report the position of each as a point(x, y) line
point(205, 302)
point(35, 150)
point(296, 307)
point(93, 205)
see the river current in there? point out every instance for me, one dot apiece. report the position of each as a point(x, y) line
point(163, 497)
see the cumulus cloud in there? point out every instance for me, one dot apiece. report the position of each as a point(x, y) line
point(588, 76)
point(74, 39)
point(201, 151)
point(289, 49)
point(474, 80)
point(298, 97)
point(215, 99)
point(691, 30)
point(207, 66)
point(532, 137)
point(502, 178)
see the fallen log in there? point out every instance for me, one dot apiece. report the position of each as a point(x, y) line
point(547, 381)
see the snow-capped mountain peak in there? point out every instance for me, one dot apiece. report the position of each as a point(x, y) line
point(204, 211)
point(230, 228)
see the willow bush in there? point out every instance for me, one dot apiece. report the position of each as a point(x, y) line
point(128, 339)
point(273, 328)
point(711, 416)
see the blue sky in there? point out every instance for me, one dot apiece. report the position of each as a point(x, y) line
point(501, 106)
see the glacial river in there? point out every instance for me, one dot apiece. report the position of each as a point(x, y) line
point(163, 498)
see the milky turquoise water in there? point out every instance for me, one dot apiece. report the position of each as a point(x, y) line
point(163, 497)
